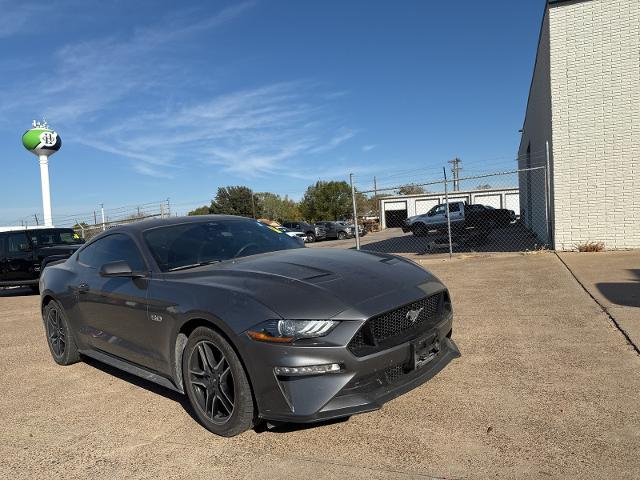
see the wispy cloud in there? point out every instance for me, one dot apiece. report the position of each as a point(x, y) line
point(95, 85)
point(19, 17)
point(248, 133)
point(368, 148)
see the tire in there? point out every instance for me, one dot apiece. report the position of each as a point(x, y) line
point(216, 384)
point(342, 235)
point(419, 229)
point(59, 336)
point(311, 237)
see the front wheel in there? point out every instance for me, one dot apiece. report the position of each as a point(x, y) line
point(310, 237)
point(216, 384)
point(59, 337)
point(342, 235)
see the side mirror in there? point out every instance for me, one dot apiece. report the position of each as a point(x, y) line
point(118, 269)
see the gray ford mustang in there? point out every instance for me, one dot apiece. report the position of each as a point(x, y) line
point(246, 322)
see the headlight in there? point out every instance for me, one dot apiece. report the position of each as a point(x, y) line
point(287, 331)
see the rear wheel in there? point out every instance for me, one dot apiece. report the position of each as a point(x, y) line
point(59, 338)
point(216, 384)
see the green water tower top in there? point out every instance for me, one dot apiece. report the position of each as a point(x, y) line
point(41, 140)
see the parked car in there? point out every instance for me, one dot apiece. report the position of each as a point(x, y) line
point(247, 323)
point(362, 231)
point(299, 235)
point(471, 223)
point(502, 217)
point(313, 232)
point(24, 252)
point(337, 230)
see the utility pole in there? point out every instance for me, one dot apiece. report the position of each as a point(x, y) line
point(104, 227)
point(355, 211)
point(455, 169)
point(35, 215)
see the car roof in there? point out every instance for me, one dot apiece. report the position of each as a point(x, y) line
point(142, 225)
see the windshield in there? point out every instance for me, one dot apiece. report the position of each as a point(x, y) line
point(62, 236)
point(193, 244)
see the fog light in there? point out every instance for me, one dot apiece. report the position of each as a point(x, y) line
point(308, 370)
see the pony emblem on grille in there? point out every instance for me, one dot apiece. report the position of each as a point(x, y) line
point(412, 315)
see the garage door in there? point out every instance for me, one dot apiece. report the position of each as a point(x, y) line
point(489, 200)
point(423, 206)
point(395, 213)
point(512, 202)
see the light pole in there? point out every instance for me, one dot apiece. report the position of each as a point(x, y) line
point(43, 142)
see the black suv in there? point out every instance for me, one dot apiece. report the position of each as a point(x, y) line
point(25, 252)
point(312, 232)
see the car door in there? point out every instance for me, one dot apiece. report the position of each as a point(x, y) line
point(19, 263)
point(113, 310)
point(456, 216)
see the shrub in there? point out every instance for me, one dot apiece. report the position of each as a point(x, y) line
point(590, 247)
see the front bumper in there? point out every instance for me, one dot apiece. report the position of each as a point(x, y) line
point(364, 384)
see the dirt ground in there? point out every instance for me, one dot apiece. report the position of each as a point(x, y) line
point(546, 387)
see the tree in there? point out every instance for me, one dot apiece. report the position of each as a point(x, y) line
point(326, 201)
point(274, 207)
point(233, 200)
point(411, 189)
point(200, 211)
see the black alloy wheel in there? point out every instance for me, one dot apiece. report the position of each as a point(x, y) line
point(59, 338)
point(212, 382)
point(216, 384)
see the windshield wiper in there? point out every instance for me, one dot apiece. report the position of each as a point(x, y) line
point(193, 265)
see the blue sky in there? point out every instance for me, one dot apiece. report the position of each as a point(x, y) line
point(157, 99)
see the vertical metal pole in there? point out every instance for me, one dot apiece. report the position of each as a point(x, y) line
point(253, 204)
point(355, 211)
point(168, 208)
point(104, 227)
point(46, 194)
point(95, 218)
point(547, 194)
point(446, 199)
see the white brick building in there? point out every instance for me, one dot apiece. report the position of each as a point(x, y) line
point(585, 102)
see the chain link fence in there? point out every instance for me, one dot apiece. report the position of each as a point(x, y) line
point(91, 222)
point(505, 211)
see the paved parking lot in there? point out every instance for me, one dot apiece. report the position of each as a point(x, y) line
point(546, 387)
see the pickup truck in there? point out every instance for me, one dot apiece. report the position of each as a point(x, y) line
point(24, 252)
point(468, 222)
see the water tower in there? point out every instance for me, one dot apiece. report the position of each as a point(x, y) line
point(43, 142)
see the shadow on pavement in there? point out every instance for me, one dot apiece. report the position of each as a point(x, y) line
point(514, 238)
point(261, 427)
point(623, 293)
point(17, 291)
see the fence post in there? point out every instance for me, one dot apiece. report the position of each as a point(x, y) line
point(355, 211)
point(547, 194)
point(446, 200)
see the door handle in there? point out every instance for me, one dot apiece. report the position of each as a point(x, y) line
point(83, 288)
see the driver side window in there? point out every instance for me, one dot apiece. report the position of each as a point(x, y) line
point(113, 248)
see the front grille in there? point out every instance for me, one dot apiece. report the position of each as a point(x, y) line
point(392, 328)
point(394, 373)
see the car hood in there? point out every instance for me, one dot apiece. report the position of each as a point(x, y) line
point(320, 282)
